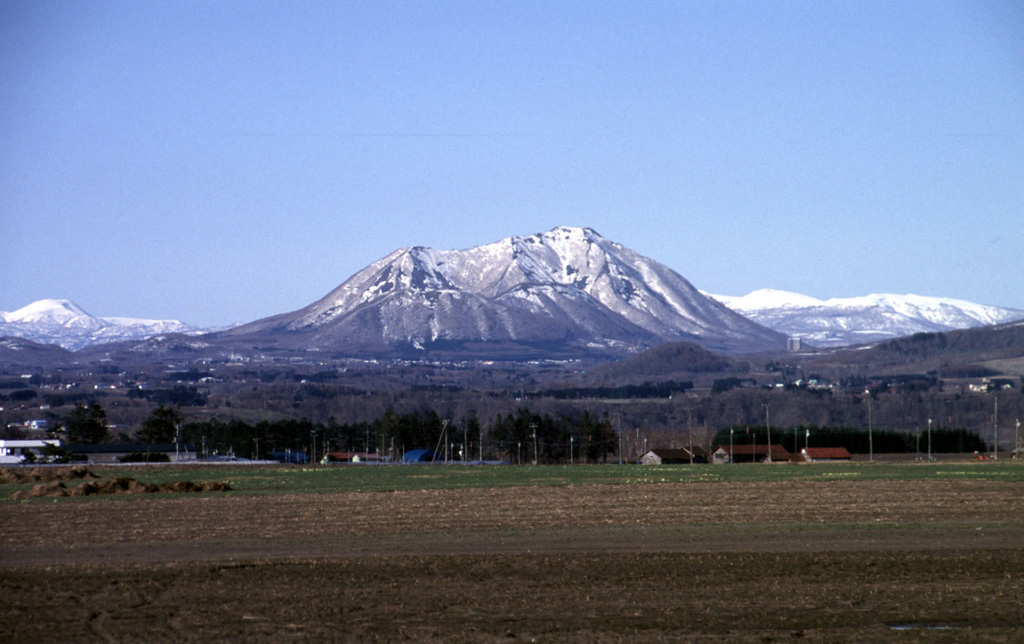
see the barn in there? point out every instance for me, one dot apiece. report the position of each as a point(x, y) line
point(749, 454)
point(673, 456)
point(822, 455)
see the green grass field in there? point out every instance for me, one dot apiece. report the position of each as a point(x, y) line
point(261, 479)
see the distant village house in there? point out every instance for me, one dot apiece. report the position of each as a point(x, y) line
point(673, 456)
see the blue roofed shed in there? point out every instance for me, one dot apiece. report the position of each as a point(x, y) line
point(419, 456)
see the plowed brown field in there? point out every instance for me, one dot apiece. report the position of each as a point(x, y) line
point(834, 561)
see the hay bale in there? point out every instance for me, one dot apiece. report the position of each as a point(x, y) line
point(121, 485)
point(43, 474)
point(138, 487)
point(180, 487)
point(81, 472)
point(10, 476)
point(52, 488)
point(85, 489)
point(113, 486)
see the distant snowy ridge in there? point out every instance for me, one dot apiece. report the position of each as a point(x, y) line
point(857, 320)
point(63, 323)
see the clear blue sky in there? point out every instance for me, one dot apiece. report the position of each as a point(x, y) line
point(224, 161)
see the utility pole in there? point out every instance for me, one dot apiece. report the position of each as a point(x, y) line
point(689, 432)
point(444, 435)
point(929, 440)
point(533, 427)
point(871, 442)
point(1016, 441)
point(995, 423)
point(768, 425)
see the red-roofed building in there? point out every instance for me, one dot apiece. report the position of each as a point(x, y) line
point(822, 455)
point(749, 454)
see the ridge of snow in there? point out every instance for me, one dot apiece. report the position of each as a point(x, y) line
point(853, 320)
point(62, 322)
point(766, 298)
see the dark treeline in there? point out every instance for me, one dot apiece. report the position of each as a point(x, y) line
point(391, 434)
point(857, 441)
point(531, 437)
point(624, 392)
point(514, 437)
point(179, 395)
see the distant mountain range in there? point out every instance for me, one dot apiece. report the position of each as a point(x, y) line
point(861, 320)
point(63, 323)
point(565, 292)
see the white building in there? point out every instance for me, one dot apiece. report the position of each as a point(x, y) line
point(14, 452)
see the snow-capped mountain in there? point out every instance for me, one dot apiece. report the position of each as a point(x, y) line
point(569, 287)
point(857, 320)
point(63, 323)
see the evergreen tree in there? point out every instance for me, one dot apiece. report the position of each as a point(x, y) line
point(601, 438)
point(161, 426)
point(87, 425)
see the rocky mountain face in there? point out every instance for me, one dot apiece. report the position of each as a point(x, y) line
point(860, 320)
point(63, 323)
point(566, 290)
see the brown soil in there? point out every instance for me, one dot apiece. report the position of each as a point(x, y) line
point(843, 561)
point(55, 487)
point(10, 475)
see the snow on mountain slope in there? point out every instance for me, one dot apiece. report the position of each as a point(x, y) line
point(568, 286)
point(766, 298)
point(855, 320)
point(65, 324)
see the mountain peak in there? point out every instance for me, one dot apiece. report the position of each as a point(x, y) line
point(569, 287)
point(50, 309)
point(64, 323)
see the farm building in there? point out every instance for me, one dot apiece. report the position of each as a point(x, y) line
point(671, 456)
point(13, 452)
point(822, 455)
point(113, 453)
point(419, 456)
point(749, 454)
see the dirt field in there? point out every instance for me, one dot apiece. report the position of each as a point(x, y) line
point(829, 561)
